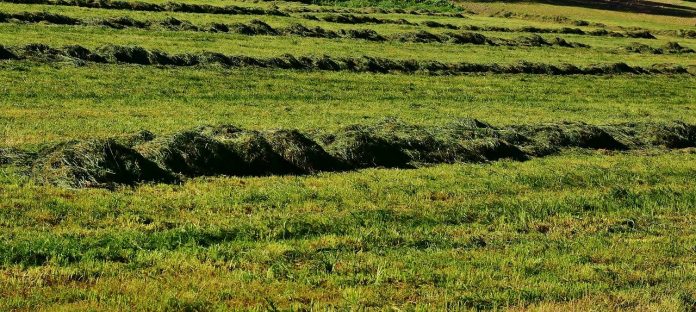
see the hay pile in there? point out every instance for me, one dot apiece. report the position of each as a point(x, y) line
point(232, 151)
point(154, 7)
point(141, 56)
point(98, 163)
point(257, 27)
point(669, 48)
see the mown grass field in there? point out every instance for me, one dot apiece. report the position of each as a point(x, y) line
point(581, 227)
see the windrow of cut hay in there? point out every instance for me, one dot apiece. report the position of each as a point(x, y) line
point(373, 10)
point(258, 27)
point(359, 19)
point(348, 15)
point(154, 7)
point(596, 30)
point(668, 48)
point(635, 32)
point(231, 151)
point(115, 54)
point(227, 10)
point(443, 8)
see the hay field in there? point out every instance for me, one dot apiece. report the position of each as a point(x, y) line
point(215, 155)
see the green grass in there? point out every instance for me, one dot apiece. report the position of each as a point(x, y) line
point(480, 20)
point(273, 20)
point(272, 46)
point(578, 231)
point(53, 103)
point(615, 228)
point(603, 49)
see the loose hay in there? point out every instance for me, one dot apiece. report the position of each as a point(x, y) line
point(228, 9)
point(390, 143)
point(669, 48)
point(305, 155)
point(191, 154)
point(141, 56)
point(257, 27)
point(99, 163)
point(12, 156)
point(7, 54)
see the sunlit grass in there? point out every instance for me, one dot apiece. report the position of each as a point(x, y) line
point(583, 230)
point(613, 228)
point(55, 103)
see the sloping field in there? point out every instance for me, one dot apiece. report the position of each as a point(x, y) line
point(347, 155)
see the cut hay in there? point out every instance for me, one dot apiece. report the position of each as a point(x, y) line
point(141, 56)
point(98, 163)
point(390, 143)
